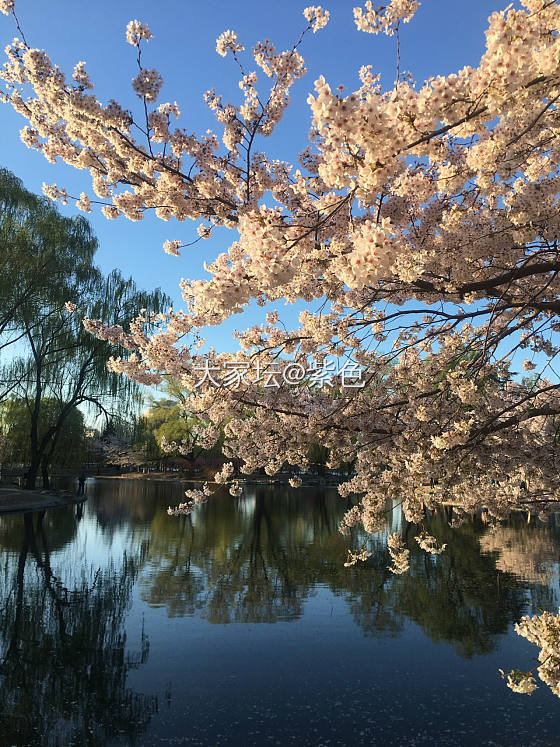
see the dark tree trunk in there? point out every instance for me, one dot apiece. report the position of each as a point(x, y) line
point(45, 473)
point(32, 472)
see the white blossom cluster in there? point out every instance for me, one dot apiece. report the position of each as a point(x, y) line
point(400, 554)
point(6, 7)
point(317, 16)
point(544, 631)
point(196, 497)
point(227, 42)
point(355, 557)
point(429, 543)
point(136, 31)
point(384, 18)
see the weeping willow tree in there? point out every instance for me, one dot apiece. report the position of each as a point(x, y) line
point(66, 365)
point(48, 283)
point(43, 256)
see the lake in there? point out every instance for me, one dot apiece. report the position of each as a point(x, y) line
point(240, 625)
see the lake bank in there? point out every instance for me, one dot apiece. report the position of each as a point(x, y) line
point(174, 477)
point(16, 500)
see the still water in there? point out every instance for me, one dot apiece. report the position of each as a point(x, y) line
point(239, 625)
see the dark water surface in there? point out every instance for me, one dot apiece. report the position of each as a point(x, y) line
point(240, 625)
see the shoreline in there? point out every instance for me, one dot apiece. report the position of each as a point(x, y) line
point(14, 500)
point(200, 480)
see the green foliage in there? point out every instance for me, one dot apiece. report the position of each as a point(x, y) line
point(167, 419)
point(15, 418)
point(43, 256)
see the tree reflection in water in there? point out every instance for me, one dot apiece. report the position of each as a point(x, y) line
point(63, 658)
point(522, 551)
point(273, 555)
point(259, 558)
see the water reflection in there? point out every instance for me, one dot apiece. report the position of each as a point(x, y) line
point(269, 557)
point(522, 550)
point(241, 561)
point(261, 564)
point(258, 558)
point(459, 597)
point(63, 665)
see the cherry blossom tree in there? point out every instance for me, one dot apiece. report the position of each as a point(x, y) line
point(420, 226)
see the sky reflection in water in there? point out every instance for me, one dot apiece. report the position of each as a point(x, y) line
point(240, 625)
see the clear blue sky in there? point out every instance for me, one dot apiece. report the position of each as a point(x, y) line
point(443, 37)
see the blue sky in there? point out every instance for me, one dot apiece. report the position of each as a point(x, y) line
point(441, 39)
